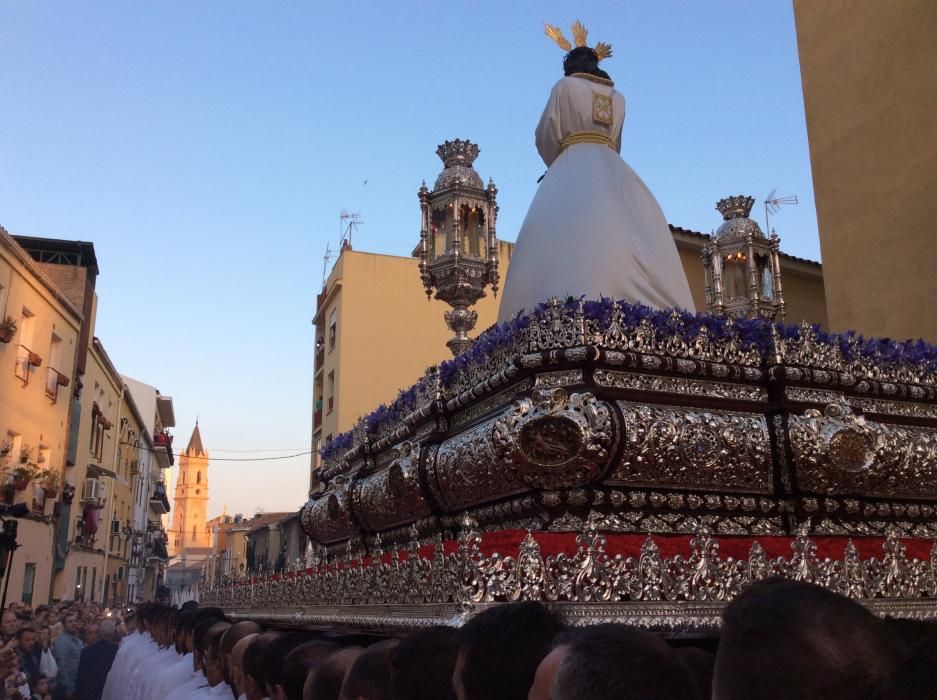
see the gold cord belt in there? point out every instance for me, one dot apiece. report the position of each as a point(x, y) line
point(586, 137)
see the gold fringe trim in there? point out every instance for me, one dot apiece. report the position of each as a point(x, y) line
point(593, 78)
point(586, 137)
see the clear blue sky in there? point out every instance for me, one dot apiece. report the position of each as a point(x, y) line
point(207, 149)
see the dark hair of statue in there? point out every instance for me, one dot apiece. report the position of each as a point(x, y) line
point(582, 59)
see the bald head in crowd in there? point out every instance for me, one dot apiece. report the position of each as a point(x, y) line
point(369, 677)
point(236, 664)
point(231, 637)
point(325, 681)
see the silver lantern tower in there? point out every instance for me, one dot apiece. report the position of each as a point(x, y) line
point(742, 266)
point(458, 246)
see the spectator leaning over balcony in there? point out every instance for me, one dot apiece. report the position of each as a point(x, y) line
point(67, 651)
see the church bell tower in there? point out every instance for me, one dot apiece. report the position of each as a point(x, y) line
point(190, 504)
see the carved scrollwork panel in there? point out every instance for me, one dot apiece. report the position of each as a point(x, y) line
point(682, 447)
point(468, 470)
point(327, 519)
point(392, 497)
point(556, 440)
point(679, 385)
point(839, 452)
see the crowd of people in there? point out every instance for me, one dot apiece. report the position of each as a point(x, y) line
point(55, 652)
point(780, 640)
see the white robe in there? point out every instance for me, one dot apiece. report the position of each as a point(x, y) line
point(189, 689)
point(593, 228)
point(142, 674)
point(173, 673)
point(131, 648)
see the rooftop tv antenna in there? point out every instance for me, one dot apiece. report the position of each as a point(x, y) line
point(325, 264)
point(773, 204)
point(347, 222)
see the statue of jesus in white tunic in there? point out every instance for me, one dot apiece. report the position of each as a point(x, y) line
point(593, 229)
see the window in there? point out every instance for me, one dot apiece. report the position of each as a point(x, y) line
point(29, 581)
point(198, 477)
point(333, 322)
point(331, 404)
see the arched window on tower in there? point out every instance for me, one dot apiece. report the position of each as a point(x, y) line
point(193, 532)
point(198, 478)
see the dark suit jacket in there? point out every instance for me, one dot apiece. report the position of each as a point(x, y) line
point(93, 667)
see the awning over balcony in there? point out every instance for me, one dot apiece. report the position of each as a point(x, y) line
point(167, 415)
point(96, 470)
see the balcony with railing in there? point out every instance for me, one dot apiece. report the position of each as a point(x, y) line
point(54, 380)
point(162, 448)
point(159, 501)
point(26, 360)
point(155, 543)
point(320, 356)
point(317, 414)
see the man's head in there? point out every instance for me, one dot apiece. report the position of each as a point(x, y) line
point(90, 633)
point(212, 663)
point(542, 687)
point(369, 677)
point(297, 665)
point(831, 647)
point(272, 661)
point(26, 638)
point(254, 680)
point(324, 682)
point(107, 630)
point(199, 641)
point(9, 624)
point(70, 623)
point(237, 664)
point(500, 649)
point(45, 636)
point(232, 636)
point(423, 663)
point(615, 661)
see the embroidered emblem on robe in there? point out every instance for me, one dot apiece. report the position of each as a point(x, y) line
point(602, 111)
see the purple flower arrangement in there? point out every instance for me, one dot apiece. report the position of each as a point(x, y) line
point(751, 333)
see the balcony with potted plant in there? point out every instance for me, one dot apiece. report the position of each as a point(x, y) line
point(26, 360)
point(7, 329)
point(49, 480)
point(54, 380)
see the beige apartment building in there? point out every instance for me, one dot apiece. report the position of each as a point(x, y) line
point(98, 440)
point(376, 332)
point(38, 347)
point(97, 488)
point(868, 71)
